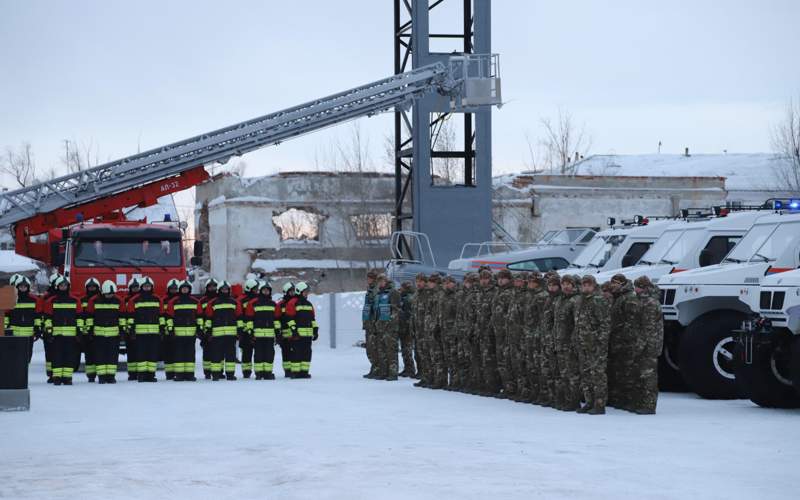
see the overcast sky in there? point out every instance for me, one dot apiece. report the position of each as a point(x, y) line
point(710, 75)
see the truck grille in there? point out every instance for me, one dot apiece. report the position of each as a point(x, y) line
point(667, 297)
point(772, 301)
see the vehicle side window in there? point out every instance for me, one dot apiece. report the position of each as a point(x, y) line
point(526, 265)
point(716, 249)
point(636, 251)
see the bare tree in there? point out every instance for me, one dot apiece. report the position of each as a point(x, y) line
point(564, 141)
point(19, 164)
point(786, 144)
point(538, 159)
point(446, 171)
point(79, 157)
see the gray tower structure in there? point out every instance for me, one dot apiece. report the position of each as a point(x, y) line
point(448, 182)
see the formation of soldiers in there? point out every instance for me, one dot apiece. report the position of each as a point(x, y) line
point(561, 342)
point(154, 328)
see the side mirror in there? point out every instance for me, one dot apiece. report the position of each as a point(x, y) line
point(628, 261)
point(196, 261)
point(198, 248)
point(706, 258)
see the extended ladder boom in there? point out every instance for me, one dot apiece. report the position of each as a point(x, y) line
point(220, 145)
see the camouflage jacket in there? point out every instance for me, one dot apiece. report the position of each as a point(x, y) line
point(391, 297)
point(564, 317)
point(485, 301)
point(652, 334)
point(500, 308)
point(593, 317)
point(534, 308)
point(625, 316)
point(516, 309)
point(406, 309)
point(448, 307)
point(432, 306)
point(547, 321)
point(467, 302)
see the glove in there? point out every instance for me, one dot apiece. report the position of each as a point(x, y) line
point(199, 333)
point(8, 332)
point(316, 333)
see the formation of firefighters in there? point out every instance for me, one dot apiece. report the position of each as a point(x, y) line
point(165, 328)
point(562, 342)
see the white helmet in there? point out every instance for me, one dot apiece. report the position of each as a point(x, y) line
point(173, 283)
point(22, 280)
point(60, 280)
point(287, 286)
point(108, 287)
point(146, 280)
point(223, 284)
point(90, 282)
point(53, 278)
point(250, 285)
point(298, 289)
point(13, 279)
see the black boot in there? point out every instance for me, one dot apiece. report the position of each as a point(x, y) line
point(216, 376)
point(57, 381)
point(246, 373)
point(111, 379)
point(207, 374)
point(230, 376)
point(259, 376)
point(170, 376)
point(189, 377)
point(91, 378)
point(269, 376)
point(101, 379)
point(66, 381)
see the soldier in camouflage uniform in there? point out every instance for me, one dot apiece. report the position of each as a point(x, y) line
point(406, 321)
point(514, 331)
point(568, 385)
point(549, 362)
point(368, 323)
point(433, 334)
point(625, 327)
point(607, 293)
point(532, 313)
point(490, 382)
point(592, 325)
point(644, 377)
point(469, 349)
point(418, 320)
point(387, 328)
point(448, 312)
point(500, 322)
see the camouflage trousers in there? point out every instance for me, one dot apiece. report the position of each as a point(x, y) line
point(592, 360)
point(450, 351)
point(618, 365)
point(370, 344)
point(417, 332)
point(386, 338)
point(503, 364)
point(548, 369)
point(568, 393)
point(642, 393)
point(463, 365)
point(435, 360)
point(532, 364)
point(490, 381)
point(407, 349)
point(475, 378)
point(516, 359)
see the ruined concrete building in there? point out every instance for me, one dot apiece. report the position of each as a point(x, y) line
point(328, 228)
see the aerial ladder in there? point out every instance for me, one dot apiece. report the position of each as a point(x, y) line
point(102, 192)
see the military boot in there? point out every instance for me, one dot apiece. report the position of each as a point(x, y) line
point(585, 409)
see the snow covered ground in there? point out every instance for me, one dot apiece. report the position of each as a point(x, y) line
point(340, 436)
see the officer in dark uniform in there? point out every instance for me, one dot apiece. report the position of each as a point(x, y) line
point(106, 319)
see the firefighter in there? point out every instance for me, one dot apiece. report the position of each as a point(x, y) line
point(262, 325)
point(24, 320)
point(245, 340)
point(223, 317)
point(167, 343)
point(62, 313)
point(130, 338)
point(211, 294)
point(184, 323)
point(303, 327)
point(284, 334)
point(106, 316)
point(92, 289)
point(46, 339)
point(146, 322)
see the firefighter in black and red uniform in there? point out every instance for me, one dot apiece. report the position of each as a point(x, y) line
point(25, 319)
point(92, 289)
point(46, 339)
point(146, 322)
point(130, 338)
point(205, 340)
point(303, 326)
point(245, 339)
point(167, 343)
point(106, 323)
point(62, 314)
point(262, 326)
point(284, 334)
point(223, 321)
point(184, 323)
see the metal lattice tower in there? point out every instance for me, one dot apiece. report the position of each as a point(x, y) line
point(455, 214)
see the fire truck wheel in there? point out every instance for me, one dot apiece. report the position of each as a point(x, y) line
point(766, 381)
point(706, 355)
point(669, 375)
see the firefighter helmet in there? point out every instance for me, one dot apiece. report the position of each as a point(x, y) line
point(250, 285)
point(22, 280)
point(13, 279)
point(60, 280)
point(212, 282)
point(53, 278)
point(134, 283)
point(91, 282)
point(147, 280)
point(287, 286)
point(223, 284)
point(185, 284)
point(264, 284)
point(173, 283)
point(300, 287)
point(108, 287)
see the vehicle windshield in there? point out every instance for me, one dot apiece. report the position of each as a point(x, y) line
point(599, 251)
point(547, 236)
point(568, 236)
point(764, 242)
point(661, 246)
point(683, 245)
point(133, 253)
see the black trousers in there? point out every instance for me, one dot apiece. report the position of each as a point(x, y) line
point(205, 344)
point(168, 353)
point(264, 354)
point(147, 348)
point(286, 355)
point(301, 355)
point(246, 347)
point(184, 354)
point(64, 349)
point(132, 348)
point(106, 354)
point(85, 347)
point(223, 354)
point(48, 356)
